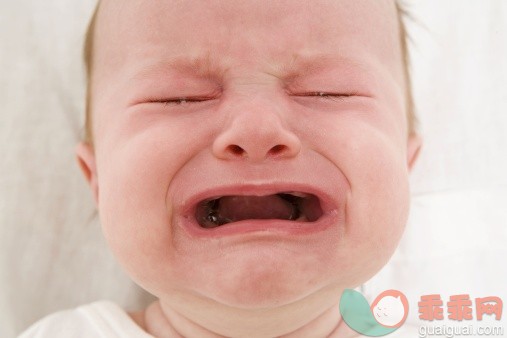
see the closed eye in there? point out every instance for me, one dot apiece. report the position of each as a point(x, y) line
point(327, 96)
point(181, 101)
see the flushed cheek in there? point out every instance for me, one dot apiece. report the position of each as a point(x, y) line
point(378, 204)
point(133, 185)
point(378, 234)
point(137, 161)
point(142, 152)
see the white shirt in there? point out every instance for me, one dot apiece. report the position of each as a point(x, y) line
point(101, 319)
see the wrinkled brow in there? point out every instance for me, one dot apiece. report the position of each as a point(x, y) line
point(301, 64)
point(208, 66)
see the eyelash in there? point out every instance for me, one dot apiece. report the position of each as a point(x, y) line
point(328, 96)
point(182, 100)
point(322, 95)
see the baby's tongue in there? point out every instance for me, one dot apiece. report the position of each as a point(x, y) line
point(237, 208)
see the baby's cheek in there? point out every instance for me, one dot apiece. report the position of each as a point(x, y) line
point(132, 205)
point(377, 208)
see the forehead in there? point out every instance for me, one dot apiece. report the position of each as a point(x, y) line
point(132, 36)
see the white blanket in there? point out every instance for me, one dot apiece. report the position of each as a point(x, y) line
point(455, 242)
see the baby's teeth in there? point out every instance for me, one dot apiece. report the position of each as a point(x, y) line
point(297, 194)
point(302, 218)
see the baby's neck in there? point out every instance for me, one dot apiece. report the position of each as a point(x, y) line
point(159, 323)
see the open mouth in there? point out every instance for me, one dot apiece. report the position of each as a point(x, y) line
point(288, 206)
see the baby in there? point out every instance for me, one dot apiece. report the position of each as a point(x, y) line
point(249, 160)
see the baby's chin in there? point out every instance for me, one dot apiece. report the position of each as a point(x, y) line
point(267, 277)
point(263, 277)
point(264, 282)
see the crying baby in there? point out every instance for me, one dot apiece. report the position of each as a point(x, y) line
point(249, 161)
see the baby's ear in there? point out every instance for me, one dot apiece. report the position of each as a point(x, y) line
point(86, 160)
point(413, 149)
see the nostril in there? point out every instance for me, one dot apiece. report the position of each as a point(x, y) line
point(279, 148)
point(235, 149)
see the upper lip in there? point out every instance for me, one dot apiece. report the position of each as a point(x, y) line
point(328, 200)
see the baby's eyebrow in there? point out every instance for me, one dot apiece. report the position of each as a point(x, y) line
point(302, 64)
point(207, 67)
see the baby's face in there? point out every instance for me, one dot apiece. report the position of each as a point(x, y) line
point(249, 153)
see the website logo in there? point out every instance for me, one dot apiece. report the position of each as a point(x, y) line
point(385, 315)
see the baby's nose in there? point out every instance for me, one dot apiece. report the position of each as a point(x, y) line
point(256, 132)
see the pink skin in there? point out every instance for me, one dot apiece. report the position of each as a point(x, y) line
point(260, 129)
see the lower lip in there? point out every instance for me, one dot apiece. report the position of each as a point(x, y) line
point(270, 226)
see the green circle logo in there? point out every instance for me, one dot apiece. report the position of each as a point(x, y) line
point(385, 315)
